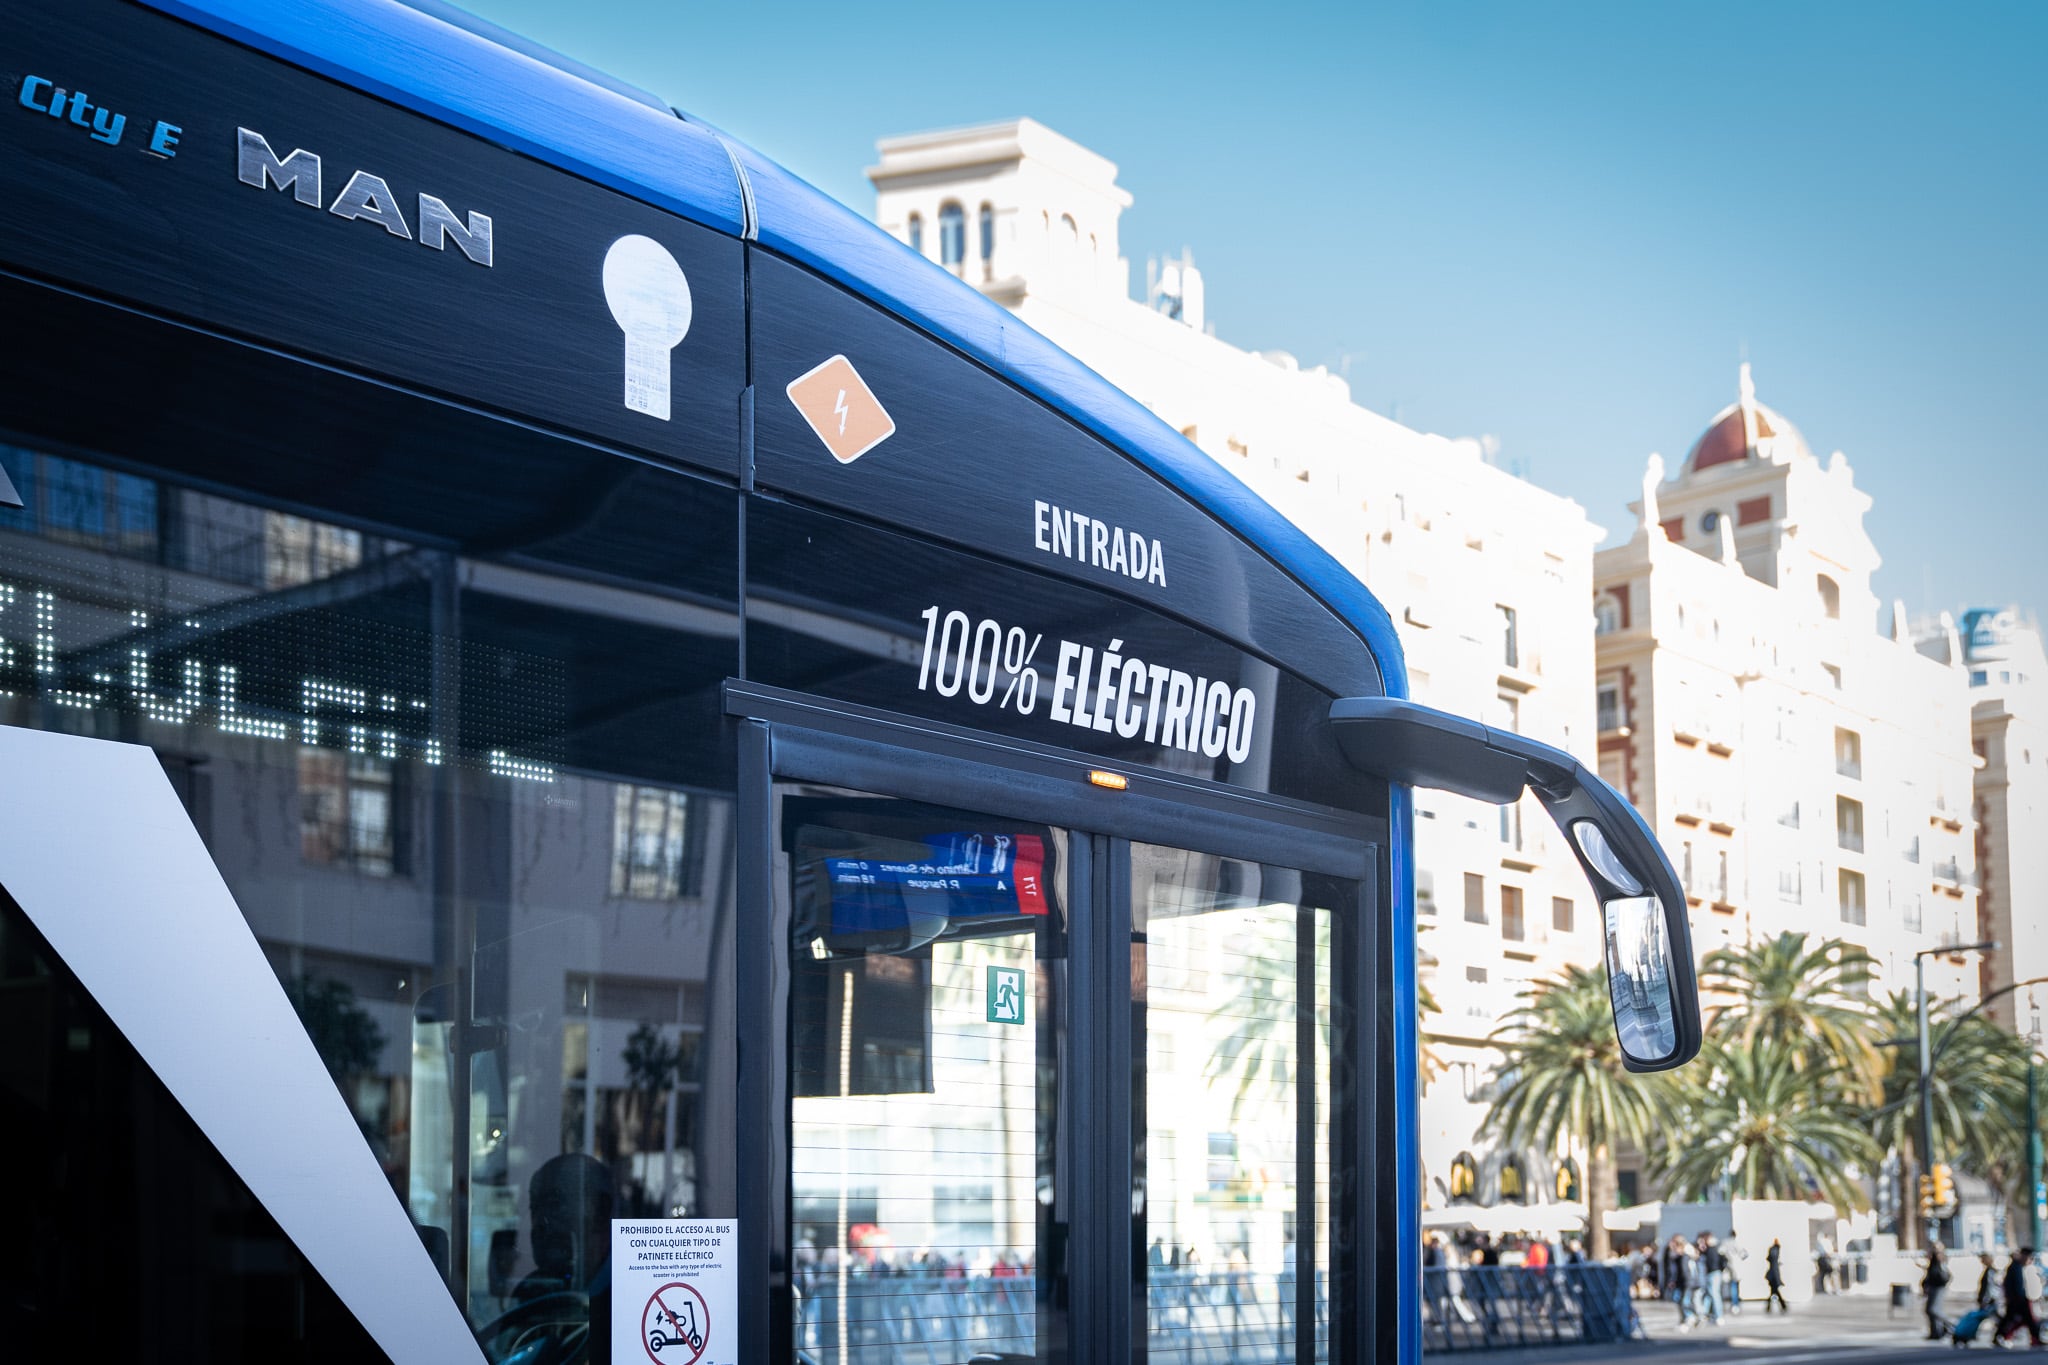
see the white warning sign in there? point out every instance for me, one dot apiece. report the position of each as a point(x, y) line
point(675, 1291)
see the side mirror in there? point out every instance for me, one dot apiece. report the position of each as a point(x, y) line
point(1650, 976)
point(8, 497)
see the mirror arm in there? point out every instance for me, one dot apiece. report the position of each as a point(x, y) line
point(1419, 746)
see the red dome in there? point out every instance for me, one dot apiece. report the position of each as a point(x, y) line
point(1726, 442)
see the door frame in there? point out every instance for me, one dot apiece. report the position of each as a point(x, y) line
point(785, 736)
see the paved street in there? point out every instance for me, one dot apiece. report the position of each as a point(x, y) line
point(1843, 1330)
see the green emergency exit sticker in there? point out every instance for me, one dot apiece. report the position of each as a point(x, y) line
point(1006, 995)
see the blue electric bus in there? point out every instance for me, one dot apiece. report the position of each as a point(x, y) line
point(599, 763)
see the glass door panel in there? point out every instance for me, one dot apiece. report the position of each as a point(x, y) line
point(1234, 962)
point(926, 984)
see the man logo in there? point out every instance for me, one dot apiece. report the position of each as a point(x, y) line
point(650, 300)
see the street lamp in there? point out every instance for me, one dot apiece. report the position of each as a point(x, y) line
point(2037, 1192)
point(1932, 1229)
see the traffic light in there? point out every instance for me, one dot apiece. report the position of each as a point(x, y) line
point(1926, 1196)
point(1944, 1186)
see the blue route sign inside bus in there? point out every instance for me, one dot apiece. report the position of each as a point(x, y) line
point(962, 877)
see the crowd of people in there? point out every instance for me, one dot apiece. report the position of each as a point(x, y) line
point(1702, 1276)
point(2010, 1299)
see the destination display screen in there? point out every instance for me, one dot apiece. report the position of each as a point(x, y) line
point(961, 877)
point(874, 877)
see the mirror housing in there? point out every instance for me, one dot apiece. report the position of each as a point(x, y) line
point(1630, 874)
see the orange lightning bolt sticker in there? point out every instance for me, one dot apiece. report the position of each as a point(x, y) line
point(841, 409)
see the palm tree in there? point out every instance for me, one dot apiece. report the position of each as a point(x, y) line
point(1427, 1060)
point(1977, 1088)
point(1563, 1081)
point(1808, 997)
point(1766, 1121)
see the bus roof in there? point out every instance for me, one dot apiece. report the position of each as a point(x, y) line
point(427, 56)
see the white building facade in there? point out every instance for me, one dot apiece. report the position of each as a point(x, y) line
point(2008, 677)
point(1487, 576)
point(1808, 770)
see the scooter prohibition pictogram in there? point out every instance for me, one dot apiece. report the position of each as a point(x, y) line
point(675, 1320)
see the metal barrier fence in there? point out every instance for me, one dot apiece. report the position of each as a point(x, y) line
point(1491, 1308)
point(1196, 1317)
point(1193, 1317)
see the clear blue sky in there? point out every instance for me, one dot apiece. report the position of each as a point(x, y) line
point(1561, 224)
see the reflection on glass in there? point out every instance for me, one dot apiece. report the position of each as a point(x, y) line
point(1593, 842)
point(1639, 977)
point(1236, 1105)
point(924, 1018)
point(470, 804)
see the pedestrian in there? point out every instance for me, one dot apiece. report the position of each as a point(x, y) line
point(2021, 1286)
point(1688, 1283)
point(1987, 1284)
point(1933, 1285)
point(1824, 1269)
point(1774, 1276)
point(1714, 1268)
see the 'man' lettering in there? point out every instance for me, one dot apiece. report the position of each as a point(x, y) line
point(365, 196)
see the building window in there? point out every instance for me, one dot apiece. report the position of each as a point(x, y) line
point(81, 504)
point(348, 812)
point(651, 844)
point(1750, 511)
point(917, 233)
point(1606, 615)
point(1511, 925)
point(1830, 597)
point(1912, 913)
point(1425, 892)
point(1513, 1188)
point(1561, 914)
point(1849, 824)
point(298, 551)
point(1510, 644)
point(1475, 898)
point(1685, 866)
point(1848, 753)
point(1721, 878)
point(1850, 890)
point(1789, 817)
point(1476, 975)
point(988, 234)
point(1607, 706)
point(1568, 1191)
point(952, 235)
point(1792, 884)
point(1464, 1178)
point(1912, 849)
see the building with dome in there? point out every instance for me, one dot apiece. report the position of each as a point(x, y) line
point(1807, 766)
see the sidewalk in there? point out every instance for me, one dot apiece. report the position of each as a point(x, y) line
point(1857, 1325)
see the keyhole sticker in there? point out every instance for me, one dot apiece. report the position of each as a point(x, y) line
point(650, 300)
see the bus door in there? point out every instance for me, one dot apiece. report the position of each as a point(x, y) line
point(1055, 1071)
